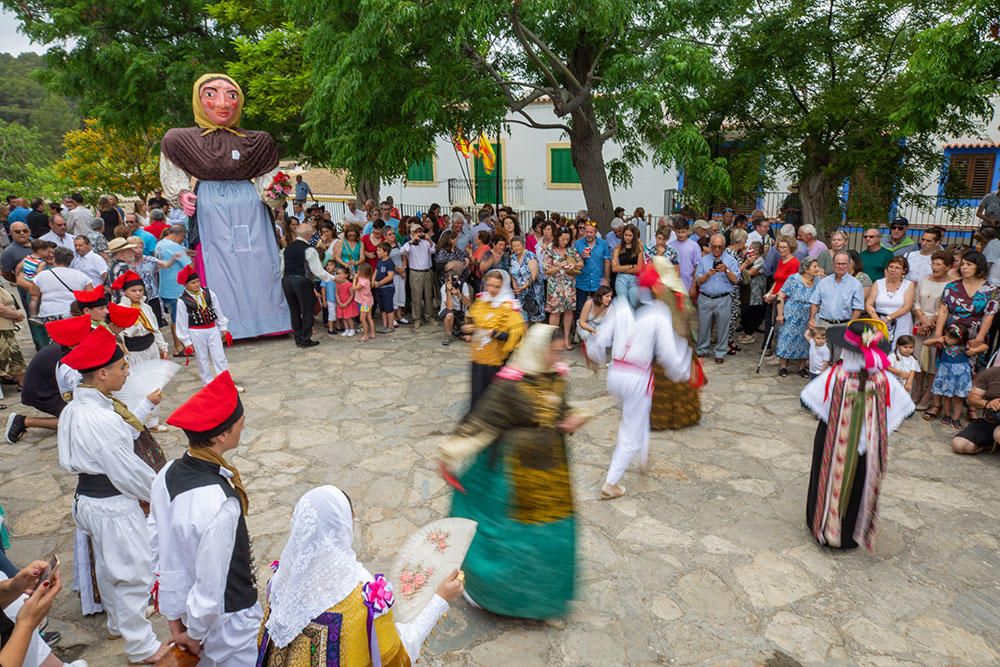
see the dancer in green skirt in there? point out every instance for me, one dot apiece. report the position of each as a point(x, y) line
point(522, 562)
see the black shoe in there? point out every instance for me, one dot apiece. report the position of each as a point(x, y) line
point(51, 637)
point(309, 343)
point(15, 428)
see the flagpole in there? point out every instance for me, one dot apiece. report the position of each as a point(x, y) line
point(498, 168)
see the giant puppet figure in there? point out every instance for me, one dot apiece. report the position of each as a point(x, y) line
point(230, 228)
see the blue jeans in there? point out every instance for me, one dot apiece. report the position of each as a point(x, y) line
point(6, 566)
point(171, 306)
point(627, 286)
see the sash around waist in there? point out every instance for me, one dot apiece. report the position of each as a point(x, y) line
point(95, 486)
point(621, 363)
point(139, 343)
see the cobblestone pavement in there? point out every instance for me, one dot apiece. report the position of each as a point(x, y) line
point(706, 561)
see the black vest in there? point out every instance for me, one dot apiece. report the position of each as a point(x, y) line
point(295, 258)
point(188, 473)
point(198, 316)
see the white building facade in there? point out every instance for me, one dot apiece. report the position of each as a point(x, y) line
point(535, 173)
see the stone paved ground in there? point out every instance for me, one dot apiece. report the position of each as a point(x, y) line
point(706, 561)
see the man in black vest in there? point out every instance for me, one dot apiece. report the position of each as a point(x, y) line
point(301, 261)
point(199, 537)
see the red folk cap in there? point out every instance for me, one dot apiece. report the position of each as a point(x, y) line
point(186, 275)
point(128, 279)
point(122, 316)
point(91, 298)
point(70, 331)
point(211, 411)
point(97, 349)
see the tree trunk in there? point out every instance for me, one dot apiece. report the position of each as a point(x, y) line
point(814, 193)
point(367, 190)
point(587, 151)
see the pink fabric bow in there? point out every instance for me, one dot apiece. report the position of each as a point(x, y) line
point(378, 594)
point(871, 351)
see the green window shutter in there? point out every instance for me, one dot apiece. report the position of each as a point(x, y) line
point(562, 169)
point(421, 171)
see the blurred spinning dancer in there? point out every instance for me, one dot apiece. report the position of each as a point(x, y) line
point(634, 351)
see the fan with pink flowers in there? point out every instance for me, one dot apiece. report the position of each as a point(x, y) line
point(427, 558)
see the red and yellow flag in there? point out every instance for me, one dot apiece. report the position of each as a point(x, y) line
point(462, 144)
point(487, 154)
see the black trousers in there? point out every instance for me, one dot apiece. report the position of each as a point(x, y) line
point(301, 302)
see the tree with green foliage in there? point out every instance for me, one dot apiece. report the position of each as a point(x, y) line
point(388, 77)
point(101, 159)
point(25, 101)
point(130, 64)
point(953, 73)
point(23, 168)
point(822, 86)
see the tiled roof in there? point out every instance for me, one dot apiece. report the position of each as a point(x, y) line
point(973, 144)
point(322, 181)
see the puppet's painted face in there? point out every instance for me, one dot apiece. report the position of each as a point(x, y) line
point(220, 100)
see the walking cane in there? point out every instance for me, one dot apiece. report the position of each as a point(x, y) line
point(767, 342)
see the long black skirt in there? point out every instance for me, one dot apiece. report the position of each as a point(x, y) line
point(850, 517)
point(482, 376)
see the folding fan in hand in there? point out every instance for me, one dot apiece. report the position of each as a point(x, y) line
point(143, 379)
point(427, 558)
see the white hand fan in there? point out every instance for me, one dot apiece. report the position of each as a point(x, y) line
point(426, 559)
point(143, 379)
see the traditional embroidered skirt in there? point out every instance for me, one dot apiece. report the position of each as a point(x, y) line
point(850, 515)
point(675, 404)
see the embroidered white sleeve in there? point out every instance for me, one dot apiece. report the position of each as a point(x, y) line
point(206, 600)
point(415, 633)
point(174, 179)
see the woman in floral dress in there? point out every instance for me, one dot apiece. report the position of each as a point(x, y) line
point(561, 263)
point(969, 301)
point(793, 313)
point(526, 279)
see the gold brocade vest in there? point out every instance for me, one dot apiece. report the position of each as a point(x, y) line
point(483, 316)
point(341, 630)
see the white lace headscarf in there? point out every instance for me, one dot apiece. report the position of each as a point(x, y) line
point(505, 294)
point(532, 356)
point(318, 566)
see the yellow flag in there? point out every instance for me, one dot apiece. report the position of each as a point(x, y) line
point(462, 144)
point(487, 154)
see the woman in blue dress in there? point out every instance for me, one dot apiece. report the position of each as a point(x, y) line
point(230, 226)
point(793, 316)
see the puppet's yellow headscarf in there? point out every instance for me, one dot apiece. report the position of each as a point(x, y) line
point(201, 118)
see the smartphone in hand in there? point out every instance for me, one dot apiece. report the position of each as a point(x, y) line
point(49, 570)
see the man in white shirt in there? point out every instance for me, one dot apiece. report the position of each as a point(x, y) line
point(636, 344)
point(300, 262)
point(355, 214)
point(97, 444)
point(761, 232)
point(57, 233)
point(418, 253)
point(89, 262)
point(78, 216)
point(930, 243)
point(199, 537)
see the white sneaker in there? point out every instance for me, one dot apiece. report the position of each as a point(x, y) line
point(344, 332)
point(350, 332)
